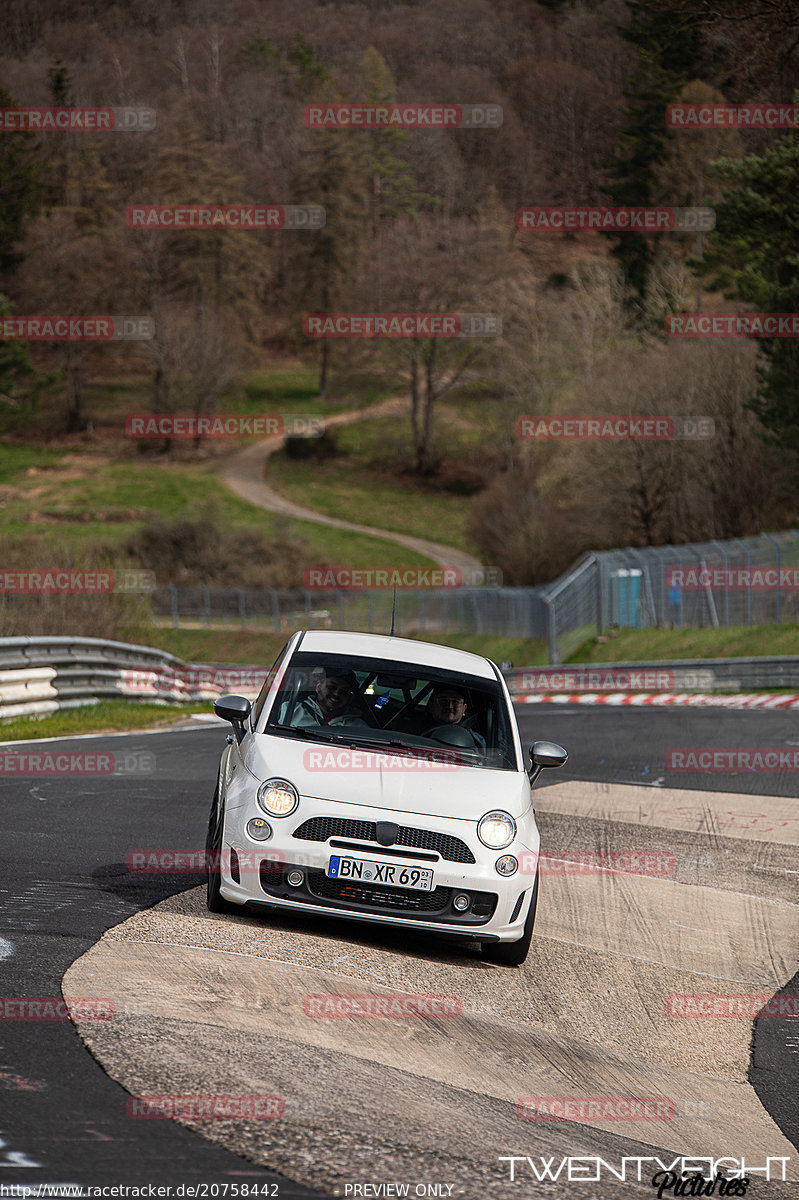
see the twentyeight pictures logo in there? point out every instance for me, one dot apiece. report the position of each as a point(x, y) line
point(403, 116)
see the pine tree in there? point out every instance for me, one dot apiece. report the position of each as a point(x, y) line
point(755, 254)
point(21, 189)
point(668, 46)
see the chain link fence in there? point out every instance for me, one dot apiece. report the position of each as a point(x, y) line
point(745, 581)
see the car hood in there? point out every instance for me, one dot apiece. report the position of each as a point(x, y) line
point(347, 776)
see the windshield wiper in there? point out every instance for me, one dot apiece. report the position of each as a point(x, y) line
point(310, 732)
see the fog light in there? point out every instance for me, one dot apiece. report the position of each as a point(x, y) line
point(295, 878)
point(461, 903)
point(507, 865)
point(259, 830)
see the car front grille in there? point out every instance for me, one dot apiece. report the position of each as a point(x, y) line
point(319, 829)
point(346, 892)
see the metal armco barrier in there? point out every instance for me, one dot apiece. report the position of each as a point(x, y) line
point(684, 675)
point(42, 675)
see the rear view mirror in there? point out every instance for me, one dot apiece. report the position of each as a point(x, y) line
point(545, 754)
point(235, 709)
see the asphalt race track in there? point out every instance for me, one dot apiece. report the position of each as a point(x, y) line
point(207, 1004)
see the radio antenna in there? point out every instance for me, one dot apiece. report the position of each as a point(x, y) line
point(393, 610)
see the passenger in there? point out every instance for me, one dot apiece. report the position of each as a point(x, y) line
point(334, 690)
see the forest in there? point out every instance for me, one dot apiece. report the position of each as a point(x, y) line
point(424, 220)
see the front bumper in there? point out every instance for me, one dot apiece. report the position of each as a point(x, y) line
point(256, 875)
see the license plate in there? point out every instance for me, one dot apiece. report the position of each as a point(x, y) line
point(361, 870)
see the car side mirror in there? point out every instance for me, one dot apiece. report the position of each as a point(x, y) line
point(545, 754)
point(235, 709)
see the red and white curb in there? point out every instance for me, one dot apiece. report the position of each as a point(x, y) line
point(687, 699)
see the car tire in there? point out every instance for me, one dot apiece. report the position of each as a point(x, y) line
point(513, 954)
point(214, 900)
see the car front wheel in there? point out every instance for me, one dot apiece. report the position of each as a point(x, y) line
point(513, 954)
point(214, 900)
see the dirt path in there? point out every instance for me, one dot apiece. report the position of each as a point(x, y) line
point(244, 475)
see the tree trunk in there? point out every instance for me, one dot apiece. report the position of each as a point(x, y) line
point(74, 388)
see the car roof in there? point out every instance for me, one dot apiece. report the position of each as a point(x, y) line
point(404, 650)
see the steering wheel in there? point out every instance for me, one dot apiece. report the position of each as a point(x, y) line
point(453, 735)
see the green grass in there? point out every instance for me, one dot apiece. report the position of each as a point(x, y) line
point(15, 460)
point(361, 485)
point(109, 716)
point(109, 505)
point(653, 645)
point(220, 646)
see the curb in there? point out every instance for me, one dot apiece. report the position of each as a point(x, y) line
point(691, 700)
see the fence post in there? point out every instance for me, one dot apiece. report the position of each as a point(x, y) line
point(748, 554)
point(777, 563)
point(551, 632)
point(207, 598)
point(242, 608)
point(175, 607)
point(727, 588)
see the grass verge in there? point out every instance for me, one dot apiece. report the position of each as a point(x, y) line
point(109, 716)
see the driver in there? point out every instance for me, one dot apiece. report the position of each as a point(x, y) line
point(334, 691)
point(447, 706)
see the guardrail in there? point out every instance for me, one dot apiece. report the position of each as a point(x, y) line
point(43, 675)
point(683, 675)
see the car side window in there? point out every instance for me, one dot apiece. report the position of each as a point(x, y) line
point(264, 692)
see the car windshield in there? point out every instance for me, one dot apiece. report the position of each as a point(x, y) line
point(403, 708)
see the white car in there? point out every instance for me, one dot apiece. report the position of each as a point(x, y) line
point(382, 780)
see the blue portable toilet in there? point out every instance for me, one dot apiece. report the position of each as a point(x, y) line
point(625, 592)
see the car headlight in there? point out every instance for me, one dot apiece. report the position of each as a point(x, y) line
point(496, 830)
point(278, 797)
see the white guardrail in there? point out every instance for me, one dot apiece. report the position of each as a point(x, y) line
point(43, 675)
